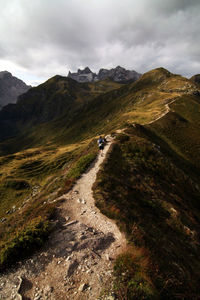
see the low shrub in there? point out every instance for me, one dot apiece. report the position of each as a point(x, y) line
point(131, 276)
point(81, 166)
point(25, 242)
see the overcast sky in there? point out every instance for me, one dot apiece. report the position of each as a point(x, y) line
point(42, 38)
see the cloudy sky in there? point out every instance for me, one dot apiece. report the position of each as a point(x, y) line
point(41, 38)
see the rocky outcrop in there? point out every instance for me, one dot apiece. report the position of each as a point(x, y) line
point(85, 75)
point(196, 79)
point(117, 74)
point(10, 88)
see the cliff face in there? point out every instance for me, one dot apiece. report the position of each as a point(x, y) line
point(119, 74)
point(10, 88)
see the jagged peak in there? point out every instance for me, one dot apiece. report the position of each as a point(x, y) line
point(119, 68)
point(118, 74)
point(5, 74)
point(85, 71)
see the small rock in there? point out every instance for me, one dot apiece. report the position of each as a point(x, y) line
point(71, 223)
point(70, 288)
point(100, 278)
point(48, 289)
point(68, 258)
point(83, 287)
point(37, 296)
point(3, 220)
point(110, 298)
point(107, 257)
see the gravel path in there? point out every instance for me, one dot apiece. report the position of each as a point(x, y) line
point(77, 261)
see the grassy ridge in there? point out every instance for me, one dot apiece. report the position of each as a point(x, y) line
point(180, 128)
point(150, 185)
point(157, 205)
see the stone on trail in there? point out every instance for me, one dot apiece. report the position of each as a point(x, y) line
point(83, 287)
point(71, 223)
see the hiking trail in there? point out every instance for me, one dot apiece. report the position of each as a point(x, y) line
point(77, 261)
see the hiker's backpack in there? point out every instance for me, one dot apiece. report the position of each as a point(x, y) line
point(100, 142)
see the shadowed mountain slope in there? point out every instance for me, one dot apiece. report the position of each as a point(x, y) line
point(196, 79)
point(150, 185)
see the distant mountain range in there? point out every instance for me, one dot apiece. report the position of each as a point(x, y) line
point(117, 74)
point(10, 88)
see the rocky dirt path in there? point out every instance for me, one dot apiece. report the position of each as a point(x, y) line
point(77, 260)
point(167, 109)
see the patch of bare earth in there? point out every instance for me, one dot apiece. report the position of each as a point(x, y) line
point(77, 260)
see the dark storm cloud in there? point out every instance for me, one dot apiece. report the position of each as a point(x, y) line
point(169, 7)
point(46, 37)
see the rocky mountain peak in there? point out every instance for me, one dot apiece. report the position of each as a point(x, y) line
point(5, 74)
point(10, 88)
point(84, 71)
point(118, 74)
point(85, 75)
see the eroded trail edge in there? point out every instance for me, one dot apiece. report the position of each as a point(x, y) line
point(77, 261)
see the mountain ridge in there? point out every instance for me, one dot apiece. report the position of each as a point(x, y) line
point(10, 88)
point(117, 74)
point(60, 100)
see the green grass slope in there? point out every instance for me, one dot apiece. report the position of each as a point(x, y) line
point(180, 129)
point(150, 185)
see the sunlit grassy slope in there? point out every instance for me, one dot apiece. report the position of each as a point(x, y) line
point(49, 138)
point(29, 183)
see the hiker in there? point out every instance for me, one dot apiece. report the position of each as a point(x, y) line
point(101, 144)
